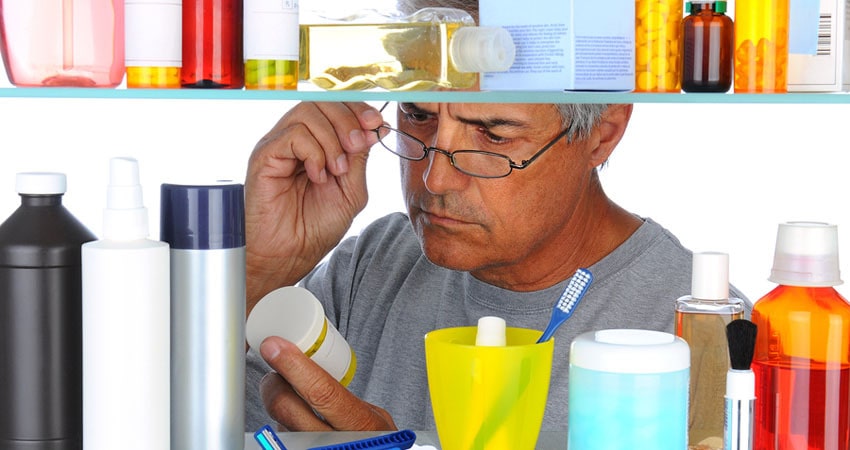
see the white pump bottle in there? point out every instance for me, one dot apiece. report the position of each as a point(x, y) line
point(126, 325)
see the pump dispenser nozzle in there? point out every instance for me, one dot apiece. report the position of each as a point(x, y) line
point(125, 217)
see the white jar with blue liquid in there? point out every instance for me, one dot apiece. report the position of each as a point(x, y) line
point(628, 389)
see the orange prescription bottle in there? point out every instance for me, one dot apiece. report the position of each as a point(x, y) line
point(802, 354)
point(761, 46)
point(658, 64)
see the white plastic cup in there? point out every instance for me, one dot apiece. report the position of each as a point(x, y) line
point(296, 315)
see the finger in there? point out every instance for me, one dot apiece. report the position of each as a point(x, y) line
point(341, 409)
point(286, 407)
point(353, 125)
point(320, 135)
point(286, 150)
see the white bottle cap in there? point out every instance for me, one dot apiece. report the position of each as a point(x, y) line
point(491, 332)
point(40, 183)
point(125, 217)
point(482, 49)
point(630, 351)
point(710, 276)
point(806, 255)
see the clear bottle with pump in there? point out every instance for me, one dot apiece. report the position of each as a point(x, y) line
point(126, 324)
point(708, 37)
point(434, 47)
point(761, 46)
point(658, 43)
point(153, 43)
point(701, 320)
point(41, 354)
point(802, 353)
point(271, 44)
point(77, 43)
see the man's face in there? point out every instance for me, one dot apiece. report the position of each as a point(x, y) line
point(492, 225)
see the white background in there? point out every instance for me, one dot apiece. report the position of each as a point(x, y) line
point(721, 177)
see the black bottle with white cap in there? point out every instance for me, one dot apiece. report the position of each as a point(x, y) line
point(41, 319)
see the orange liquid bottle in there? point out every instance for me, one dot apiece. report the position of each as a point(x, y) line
point(802, 353)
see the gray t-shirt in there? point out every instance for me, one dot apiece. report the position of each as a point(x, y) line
point(384, 295)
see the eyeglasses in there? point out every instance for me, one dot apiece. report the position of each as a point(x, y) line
point(476, 163)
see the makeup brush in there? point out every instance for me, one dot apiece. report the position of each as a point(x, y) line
point(740, 385)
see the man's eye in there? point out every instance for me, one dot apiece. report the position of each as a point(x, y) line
point(494, 138)
point(414, 117)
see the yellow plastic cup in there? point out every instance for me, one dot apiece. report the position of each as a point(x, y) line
point(488, 397)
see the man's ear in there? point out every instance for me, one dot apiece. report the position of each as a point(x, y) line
point(612, 126)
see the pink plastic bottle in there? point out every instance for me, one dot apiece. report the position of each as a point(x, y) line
point(63, 42)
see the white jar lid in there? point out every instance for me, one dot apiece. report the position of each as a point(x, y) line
point(631, 351)
point(40, 183)
point(290, 312)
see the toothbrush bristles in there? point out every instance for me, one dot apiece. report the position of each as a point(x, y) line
point(575, 290)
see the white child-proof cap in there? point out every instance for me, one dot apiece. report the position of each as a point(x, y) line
point(40, 183)
point(630, 351)
point(806, 255)
point(482, 49)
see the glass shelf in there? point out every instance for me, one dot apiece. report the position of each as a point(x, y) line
point(424, 96)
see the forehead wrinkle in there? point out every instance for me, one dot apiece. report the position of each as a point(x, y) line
point(488, 121)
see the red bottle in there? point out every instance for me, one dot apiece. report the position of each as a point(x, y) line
point(212, 44)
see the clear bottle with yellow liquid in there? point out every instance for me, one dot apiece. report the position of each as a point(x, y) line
point(658, 45)
point(701, 320)
point(434, 47)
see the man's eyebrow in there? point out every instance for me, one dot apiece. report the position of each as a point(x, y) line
point(412, 108)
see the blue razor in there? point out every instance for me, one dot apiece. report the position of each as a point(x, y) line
point(268, 439)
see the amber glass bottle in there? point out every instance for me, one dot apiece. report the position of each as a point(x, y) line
point(708, 36)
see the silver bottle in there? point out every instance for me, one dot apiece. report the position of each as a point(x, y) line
point(205, 227)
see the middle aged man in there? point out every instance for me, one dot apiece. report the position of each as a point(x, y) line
point(504, 203)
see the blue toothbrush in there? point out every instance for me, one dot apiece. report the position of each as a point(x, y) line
point(565, 306)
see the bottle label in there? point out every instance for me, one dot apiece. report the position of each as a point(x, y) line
point(271, 29)
point(153, 33)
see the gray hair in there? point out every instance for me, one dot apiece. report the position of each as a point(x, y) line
point(581, 117)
